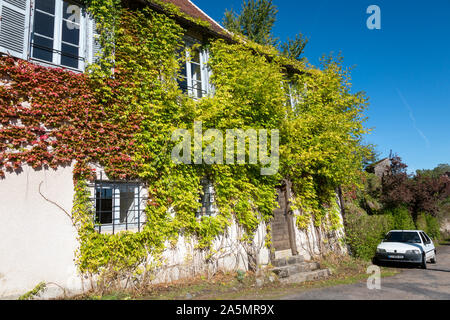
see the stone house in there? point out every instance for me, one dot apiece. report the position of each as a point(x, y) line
point(380, 168)
point(37, 240)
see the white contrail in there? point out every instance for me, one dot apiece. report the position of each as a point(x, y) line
point(413, 119)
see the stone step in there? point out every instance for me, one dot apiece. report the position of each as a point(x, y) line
point(283, 253)
point(307, 276)
point(292, 269)
point(288, 261)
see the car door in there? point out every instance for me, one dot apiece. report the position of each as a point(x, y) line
point(428, 245)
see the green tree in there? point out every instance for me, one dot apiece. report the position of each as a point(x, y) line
point(436, 172)
point(255, 21)
point(294, 49)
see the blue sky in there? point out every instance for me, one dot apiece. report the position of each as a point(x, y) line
point(404, 68)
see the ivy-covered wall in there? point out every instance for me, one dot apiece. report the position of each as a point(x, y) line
point(121, 114)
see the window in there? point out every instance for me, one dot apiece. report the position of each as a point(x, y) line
point(425, 238)
point(207, 199)
point(400, 236)
point(58, 26)
point(55, 32)
point(195, 73)
point(294, 95)
point(118, 206)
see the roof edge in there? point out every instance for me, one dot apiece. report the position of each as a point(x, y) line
point(208, 16)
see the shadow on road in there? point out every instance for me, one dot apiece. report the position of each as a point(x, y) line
point(398, 265)
point(440, 270)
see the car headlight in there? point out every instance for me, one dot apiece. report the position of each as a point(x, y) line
point(413, 251)
point(379, 250)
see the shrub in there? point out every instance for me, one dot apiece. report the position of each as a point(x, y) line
point(365, 232)
point(421, 222)
point(402, 219)
point(433, 227)
point(429, 224)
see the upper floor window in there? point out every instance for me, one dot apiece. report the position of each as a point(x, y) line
point(294, 96)
point(57, 36)
point(55, 32)
point(195, 73)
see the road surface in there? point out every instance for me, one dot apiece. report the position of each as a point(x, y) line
point(411, 284)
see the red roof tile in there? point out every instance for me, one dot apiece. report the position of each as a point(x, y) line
point(192, 10)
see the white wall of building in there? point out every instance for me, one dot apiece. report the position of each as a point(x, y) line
point(37, 239)
point(185, 261)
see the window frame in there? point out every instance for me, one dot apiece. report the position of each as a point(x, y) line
point(57, 36)
point(135, 218)
point(208, 192)
point(294, 96)
point(205, 71)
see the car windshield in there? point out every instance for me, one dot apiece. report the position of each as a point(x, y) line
point(410, 237)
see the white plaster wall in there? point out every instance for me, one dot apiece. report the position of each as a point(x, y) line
point(37, 239)
point(184, 261)
point(313, 242)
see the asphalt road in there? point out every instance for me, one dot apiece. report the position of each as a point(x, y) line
point(411, 284)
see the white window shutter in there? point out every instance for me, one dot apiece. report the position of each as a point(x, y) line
point(93, 41)
point(15, 27)
point(209, 85)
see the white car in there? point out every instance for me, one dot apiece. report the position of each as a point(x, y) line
point(412, 246)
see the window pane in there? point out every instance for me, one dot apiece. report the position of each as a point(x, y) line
point(70, 32)
point(42, 48)
point(206, 199)
point(44, 24)
point(71, 11)
point(103, 206)
point(197, 89)
point(411, 237)
point(69, 56)
point(46, 5)
point(126, 205)
point(423, 237)
point(195, 56)
point(182, 81)
point(196, 72)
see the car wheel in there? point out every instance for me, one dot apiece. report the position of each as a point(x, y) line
point(424, 261)
point(434, 259)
